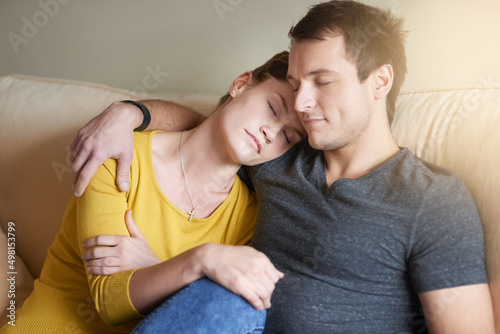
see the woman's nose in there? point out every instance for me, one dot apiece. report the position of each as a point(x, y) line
point(270, 131)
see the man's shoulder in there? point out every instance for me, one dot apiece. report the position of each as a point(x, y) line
point(300, 159)
point(429, 177)
point(301, 153)
point(428, 170)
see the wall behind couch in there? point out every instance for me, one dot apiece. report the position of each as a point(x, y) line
point(201, 45)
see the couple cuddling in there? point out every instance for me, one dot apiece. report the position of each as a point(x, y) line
point(343, 231)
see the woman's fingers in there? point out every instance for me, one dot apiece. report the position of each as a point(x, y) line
point(109, 261)
point(253, 299)
point(132, 226)
point(102, 270)
point(100, 252)
point(256, 291)
point(102, 240)
point(119, 252)
point(242, 270)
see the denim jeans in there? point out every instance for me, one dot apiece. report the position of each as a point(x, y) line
point(204, 307)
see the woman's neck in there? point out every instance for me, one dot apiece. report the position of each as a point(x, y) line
point(207, 164)
point(204, 178)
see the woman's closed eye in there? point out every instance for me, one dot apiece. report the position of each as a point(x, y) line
point(272, 109)
point(286, 137)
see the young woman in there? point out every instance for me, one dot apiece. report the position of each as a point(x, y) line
point(190, 207)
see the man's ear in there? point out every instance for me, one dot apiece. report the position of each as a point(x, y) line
point(240, 83)
point(383, 78)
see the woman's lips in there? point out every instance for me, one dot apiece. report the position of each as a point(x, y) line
point(255, 142)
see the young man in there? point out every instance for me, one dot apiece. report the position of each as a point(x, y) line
point(370, 238)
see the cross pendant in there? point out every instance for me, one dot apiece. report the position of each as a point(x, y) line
point(191, 214)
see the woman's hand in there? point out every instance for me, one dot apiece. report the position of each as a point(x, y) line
point(123, 253)
point(242, 270)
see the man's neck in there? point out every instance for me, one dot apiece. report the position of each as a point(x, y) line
point(359, 158)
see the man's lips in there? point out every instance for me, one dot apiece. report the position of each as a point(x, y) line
point(311, 121)
point(254, 141)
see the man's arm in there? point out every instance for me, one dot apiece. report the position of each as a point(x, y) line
point(110, 135)
point(464, 309)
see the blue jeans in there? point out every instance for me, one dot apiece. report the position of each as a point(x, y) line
point(204, 307)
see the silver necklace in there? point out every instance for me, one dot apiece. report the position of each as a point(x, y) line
point(192, 213)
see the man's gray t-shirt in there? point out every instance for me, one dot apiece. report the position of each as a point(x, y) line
point(356, 254)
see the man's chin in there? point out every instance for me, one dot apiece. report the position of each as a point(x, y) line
point(316, 142)
point(321, 143)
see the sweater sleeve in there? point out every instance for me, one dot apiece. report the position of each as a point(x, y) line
point(101, 210)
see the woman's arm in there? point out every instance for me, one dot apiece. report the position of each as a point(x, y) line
point(240, 269)
point(100, 211)
point(109, 135)
point(121, 252)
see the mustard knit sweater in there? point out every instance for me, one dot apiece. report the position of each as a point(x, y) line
point(68, 300)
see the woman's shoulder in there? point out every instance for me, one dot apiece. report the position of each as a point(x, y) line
point(147, 143)
point(141, 153)
point(143, 138)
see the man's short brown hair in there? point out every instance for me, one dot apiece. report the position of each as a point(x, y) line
point(373, 37)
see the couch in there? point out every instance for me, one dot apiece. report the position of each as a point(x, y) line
point(454, 128)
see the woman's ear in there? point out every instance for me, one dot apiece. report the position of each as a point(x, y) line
point(384, 77)
point(240, 83)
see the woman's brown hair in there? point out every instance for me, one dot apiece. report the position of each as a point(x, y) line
point(276, 67)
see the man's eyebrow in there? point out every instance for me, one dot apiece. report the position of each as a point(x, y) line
point(322, 71)
point(315, 72)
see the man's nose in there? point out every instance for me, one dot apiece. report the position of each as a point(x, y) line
point(304, 100)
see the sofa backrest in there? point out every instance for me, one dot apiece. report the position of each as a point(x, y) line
point(459, 129)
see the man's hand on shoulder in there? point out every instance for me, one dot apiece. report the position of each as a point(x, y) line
point(108, 135)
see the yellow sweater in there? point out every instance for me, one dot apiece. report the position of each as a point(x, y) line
point(67, 300)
